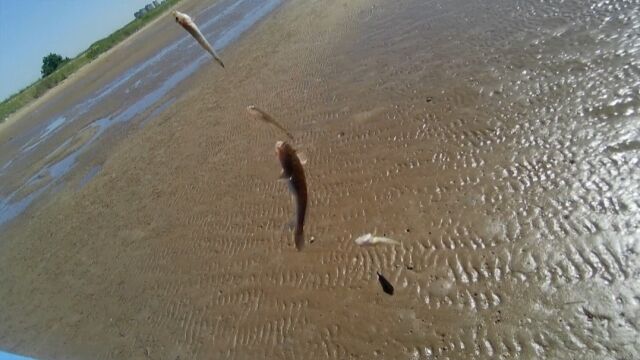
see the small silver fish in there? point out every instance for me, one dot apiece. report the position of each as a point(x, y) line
point(187, 23)
point(262, 115)
point(370, 240)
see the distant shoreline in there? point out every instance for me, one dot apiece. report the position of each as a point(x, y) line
point(43, 86)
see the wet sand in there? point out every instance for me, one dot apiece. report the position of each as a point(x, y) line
point(498, 142)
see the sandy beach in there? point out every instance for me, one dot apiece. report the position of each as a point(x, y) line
point(496, 142)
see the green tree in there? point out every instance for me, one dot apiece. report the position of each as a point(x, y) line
point(51, 62)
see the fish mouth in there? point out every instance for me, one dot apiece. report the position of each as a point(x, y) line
point(279, 146)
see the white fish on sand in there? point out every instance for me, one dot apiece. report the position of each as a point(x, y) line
point(370, 240)
point(187, 23)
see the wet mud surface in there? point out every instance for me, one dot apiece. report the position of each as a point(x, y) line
point(497, 141)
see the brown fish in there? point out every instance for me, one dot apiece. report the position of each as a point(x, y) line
point(293, 172)
point(187, 23)
point(260, 114)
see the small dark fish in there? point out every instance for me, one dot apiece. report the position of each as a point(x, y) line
point(293, 173)
point(386, 285)
point(188, 24)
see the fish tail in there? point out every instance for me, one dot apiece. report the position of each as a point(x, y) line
point(214, 55)
point(386, 240)
point(218, 60)
point(299, 238)
point(282, 128)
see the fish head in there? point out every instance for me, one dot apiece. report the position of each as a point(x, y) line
point(284, 151)
point(180, 17)
point(364, 240)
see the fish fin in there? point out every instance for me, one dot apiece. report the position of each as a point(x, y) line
point(302, 157)
point(283, 176)
point(291, 225)
point(219, 61)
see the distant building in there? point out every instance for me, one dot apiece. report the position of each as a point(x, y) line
point(152, 5)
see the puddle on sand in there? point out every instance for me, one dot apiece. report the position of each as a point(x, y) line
point(49, 130)
point(10, 208)
point(16, 202)
point(6, 165)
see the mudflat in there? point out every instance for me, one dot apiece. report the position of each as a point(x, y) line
point(496, 141)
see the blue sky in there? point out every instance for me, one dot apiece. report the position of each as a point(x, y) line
point(31, 29)
point(7, 356)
